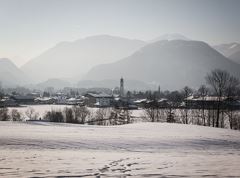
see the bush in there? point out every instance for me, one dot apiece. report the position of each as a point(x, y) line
point(81, 113)
point(31, 114)
point(15, 115)
point(54, 116)
point(69, 115)
point(4, 116)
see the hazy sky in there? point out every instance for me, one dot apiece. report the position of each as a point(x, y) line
point(28, 27)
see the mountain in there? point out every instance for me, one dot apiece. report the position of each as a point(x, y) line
point(69, 59)
point(228, 49)
point(111, 83)
point(55, 83)
point(170, 37)
point(235, 57)
point(10, 74)
point(172, 64)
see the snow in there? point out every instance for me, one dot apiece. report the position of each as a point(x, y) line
point(40, 149)
point(233, 46)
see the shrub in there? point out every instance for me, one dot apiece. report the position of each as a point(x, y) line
point(54, 116)
point(4, 116)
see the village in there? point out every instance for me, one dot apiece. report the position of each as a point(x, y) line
point(119, 98)
point(91, 99)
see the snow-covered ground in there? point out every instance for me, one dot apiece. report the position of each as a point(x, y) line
point(40, 149)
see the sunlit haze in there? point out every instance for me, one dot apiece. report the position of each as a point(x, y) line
point(29, 27)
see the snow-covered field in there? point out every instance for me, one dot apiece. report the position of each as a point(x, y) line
point(35, 149)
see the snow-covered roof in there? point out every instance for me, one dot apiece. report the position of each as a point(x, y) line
point(73, 99)
point(44, 98)
point(205, 98)
point(100, 95)
point(117, 99)
point(140, 101)
point(6, 99)
point(97, 104)
point(162, 100)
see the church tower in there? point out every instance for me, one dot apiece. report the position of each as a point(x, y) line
point(121, 87)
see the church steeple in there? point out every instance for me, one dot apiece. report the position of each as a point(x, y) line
point(121, 87)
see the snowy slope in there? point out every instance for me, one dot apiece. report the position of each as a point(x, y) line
point(137, 150)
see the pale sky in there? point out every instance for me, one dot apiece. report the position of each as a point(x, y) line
point(29, 27)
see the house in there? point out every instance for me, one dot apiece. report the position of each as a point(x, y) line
point(34, 94)
point(7, 102)
point(160, 103)
point(124, 103)
point(211, 102)
point(140, 102)
point(75, 101)
point(163, 103)
point(23, 99)
point(45, 100)
point(98, 100)
point(60, 99)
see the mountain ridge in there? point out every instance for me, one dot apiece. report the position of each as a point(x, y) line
point(67, 58)
point(230, 50)
point(11, 75)
point(172, 64)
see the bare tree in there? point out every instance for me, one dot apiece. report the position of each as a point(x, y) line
point(15, 115)
point(1, 91)
point(187, 91)
point(150, 107)
point(170, 113)
point(126, 116)
point(101, 116)
point(150, 113)
point(31, 113)
point(203, 92)
point(4, 116)
point(54, 116)
point(219, 81)
point(80, 113)
point(114, 116)
point(232, 87)
point(69, 115)
point(232, 92)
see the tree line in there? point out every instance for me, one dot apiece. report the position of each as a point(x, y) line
point(75, 115)
point(225, 89)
